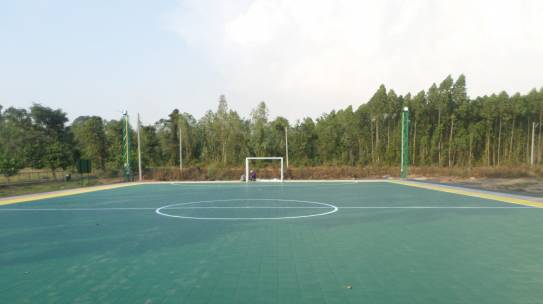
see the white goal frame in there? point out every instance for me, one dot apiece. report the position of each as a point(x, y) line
point(247, 159)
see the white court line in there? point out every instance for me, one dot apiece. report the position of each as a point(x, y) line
point(249, 207)
point(160, 211)
point(355, 207)
point(73, 209)
point(275, 185)
point(269, 207)
point(437, 207)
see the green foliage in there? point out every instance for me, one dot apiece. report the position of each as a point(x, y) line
point(89, 134)
point(55, 141)
point(9, 165)
point(447, 129)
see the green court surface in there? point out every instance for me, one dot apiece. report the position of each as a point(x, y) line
point(312, 243)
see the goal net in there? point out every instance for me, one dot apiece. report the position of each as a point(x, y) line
point(269, 169)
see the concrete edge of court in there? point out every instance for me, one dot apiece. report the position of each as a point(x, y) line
point(491, 195)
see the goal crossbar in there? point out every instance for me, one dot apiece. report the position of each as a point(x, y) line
point(247, 159)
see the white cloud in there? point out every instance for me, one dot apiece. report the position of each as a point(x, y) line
point(305, 57)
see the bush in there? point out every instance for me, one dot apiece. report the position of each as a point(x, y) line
point(9, 166)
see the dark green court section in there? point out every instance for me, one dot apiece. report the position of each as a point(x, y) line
point(112, 247)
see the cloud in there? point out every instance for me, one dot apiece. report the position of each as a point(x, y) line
point(306, 57)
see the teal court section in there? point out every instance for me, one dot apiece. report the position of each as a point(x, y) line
point(391, 243)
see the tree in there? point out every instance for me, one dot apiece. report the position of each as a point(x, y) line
point(9, 165)
point(276, 139)
point(377, 106)
point(303, 143)
point(113, 131)
point(447, 128)
point(17, 137)
point(90, 136)
point(49, 126)
point(151, 153)
point(259, 125)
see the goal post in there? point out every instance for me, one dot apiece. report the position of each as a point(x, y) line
point(249, 159)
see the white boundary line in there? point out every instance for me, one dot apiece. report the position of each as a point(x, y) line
point(334, 209)
point(75, 209)
point(286, 181)
point(438, 207)
point(268, 207)
point(259, 184)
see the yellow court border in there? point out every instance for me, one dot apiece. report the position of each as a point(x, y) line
point(40, 196)
point(472, 193)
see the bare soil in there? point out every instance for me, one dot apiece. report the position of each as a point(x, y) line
point(532, 186)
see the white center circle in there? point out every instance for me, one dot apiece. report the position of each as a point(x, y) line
point(329, 209)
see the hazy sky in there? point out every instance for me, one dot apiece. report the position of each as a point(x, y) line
point(303, 57)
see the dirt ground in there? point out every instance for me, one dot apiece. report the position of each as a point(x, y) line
point(531, 186)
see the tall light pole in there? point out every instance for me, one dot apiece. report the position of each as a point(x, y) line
point(126, 147)
point(533, 142)
point(286, 144)
point(139, 150)
point(405, 144)
point(180, 150)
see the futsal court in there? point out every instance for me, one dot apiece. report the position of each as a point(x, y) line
point(292, 242)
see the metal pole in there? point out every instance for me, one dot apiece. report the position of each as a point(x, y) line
point(180, 150)
point(286, 143)
point(281, 169)
point(246, 170)
point(127, 145)
point(405, 144)
point(139, 150)
point(126, 148)
point(533, 141)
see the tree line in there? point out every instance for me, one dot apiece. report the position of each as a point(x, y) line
point(447, 128)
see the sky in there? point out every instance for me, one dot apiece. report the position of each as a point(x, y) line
point(302, 57)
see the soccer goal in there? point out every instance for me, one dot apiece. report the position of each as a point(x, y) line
point(248, 162)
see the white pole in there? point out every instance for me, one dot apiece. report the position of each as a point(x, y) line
point(126, 140)
point(281, 169)
point(180, 150)
point(246, 170)
point(139, 150)
point(533, 138)
point(286, 143)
